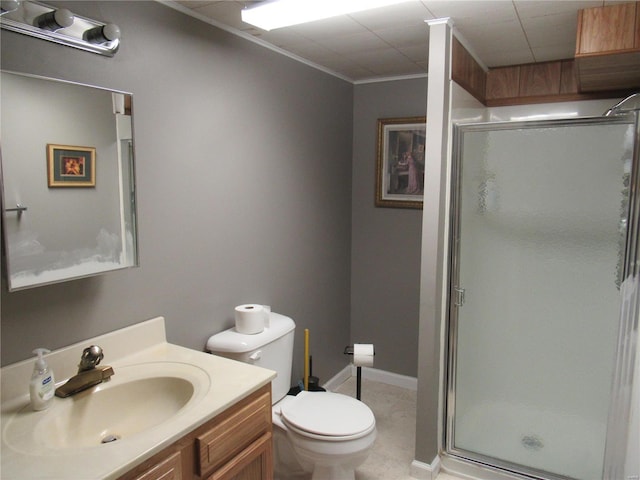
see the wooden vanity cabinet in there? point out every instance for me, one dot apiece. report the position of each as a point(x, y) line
point(234, 445)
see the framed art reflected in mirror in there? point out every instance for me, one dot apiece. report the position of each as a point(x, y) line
point(69, 166)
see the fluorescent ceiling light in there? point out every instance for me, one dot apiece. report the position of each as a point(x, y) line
point(272, 14)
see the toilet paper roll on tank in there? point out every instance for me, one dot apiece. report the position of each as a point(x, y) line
point(363, 354)
point(252, 318)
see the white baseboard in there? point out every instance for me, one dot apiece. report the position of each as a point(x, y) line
point(425, 471)
point(382, 376)
point(390, 378)
point(338, 379)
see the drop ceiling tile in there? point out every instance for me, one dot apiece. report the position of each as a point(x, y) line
point(342, 64)
point(498, 58)
point(224, 11)
point(400, 68)
point(282, 37)
point(465, 12)
point(553, 52)
point(538, 8)
point(357, 42)
point(329, 27)
point(311, 50)
point(408, 13)
point(380, 60)
point(497, 36)
point(416, 53)
point(357, 73)
point(424, 65)
point(405, 36)
point(551, 29)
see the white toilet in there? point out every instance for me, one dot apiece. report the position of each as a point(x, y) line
point(326, 434)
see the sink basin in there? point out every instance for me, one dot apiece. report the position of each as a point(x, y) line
point(117, 412)
point(137, 398)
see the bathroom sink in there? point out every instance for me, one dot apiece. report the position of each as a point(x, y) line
point(159, 394)
point(137, 398)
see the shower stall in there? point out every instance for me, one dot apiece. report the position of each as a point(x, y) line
point(543, 311)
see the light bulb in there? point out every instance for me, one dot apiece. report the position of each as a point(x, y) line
point(102, 34)
point(54, 20)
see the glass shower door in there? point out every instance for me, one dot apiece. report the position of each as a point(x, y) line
point(539, 228)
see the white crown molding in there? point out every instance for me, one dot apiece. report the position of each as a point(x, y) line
point(389, 79)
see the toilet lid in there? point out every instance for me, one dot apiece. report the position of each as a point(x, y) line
point(328, 414)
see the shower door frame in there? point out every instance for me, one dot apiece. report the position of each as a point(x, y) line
point(455, 295)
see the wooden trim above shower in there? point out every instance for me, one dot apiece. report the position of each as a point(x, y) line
point(608, 47)
point(544, 82)
point(605, 66)
point(467, 72)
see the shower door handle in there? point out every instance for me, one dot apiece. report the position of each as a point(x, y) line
point(459, 296)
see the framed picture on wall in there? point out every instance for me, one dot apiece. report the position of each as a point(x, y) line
point(69, 166)
point(400, 162)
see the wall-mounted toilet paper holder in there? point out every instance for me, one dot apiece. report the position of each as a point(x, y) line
point(349, 350)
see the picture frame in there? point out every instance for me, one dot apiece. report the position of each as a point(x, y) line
point(400, 161)
point(71, 166)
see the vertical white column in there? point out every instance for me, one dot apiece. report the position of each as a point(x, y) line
point(434, 251)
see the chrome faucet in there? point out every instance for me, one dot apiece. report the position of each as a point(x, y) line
point(89, 374)
point(91, 356)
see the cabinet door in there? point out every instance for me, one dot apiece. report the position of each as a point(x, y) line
point(253, 463)
point(168, 469)
point(607, 29)
point(235, 430)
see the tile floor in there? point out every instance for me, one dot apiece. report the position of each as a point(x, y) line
point(395, 412)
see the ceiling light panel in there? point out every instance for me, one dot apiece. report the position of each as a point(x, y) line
point(273, 14)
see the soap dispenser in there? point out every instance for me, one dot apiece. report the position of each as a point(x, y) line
point(42, 386)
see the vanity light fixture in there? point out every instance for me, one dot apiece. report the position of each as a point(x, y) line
point(272, 14)
point(40, 20)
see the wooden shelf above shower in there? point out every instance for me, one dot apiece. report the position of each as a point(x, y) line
point(608, 47)
point(607, 65)
point(543, 82)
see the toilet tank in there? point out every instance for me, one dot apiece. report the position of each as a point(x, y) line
point(272, 349)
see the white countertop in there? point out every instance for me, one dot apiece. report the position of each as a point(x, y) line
point(228, 382)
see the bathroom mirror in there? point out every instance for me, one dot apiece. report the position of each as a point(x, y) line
point(68, 180)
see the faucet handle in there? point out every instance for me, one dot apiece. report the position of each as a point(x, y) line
point(91, 356)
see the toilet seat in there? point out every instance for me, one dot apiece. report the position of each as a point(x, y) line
point(328, 416)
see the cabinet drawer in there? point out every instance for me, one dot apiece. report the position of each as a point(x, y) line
point(169, 469)
point(238, 428)
point(254, 463)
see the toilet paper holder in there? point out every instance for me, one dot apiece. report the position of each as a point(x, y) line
point(348, 350)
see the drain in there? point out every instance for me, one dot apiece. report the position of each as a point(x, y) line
point(532, 442)
point(110, 438)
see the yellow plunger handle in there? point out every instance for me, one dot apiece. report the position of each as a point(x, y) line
point(306, 359)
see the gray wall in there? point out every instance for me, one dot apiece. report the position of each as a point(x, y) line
point(244, 187)
point(385, 245)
